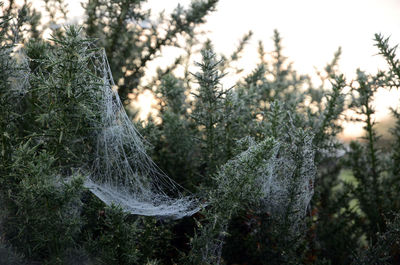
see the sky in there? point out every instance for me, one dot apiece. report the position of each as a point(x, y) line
point(312, 30)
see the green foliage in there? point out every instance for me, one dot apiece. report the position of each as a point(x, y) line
point(133, 39)
point(21, 23)
point(42, 218)
point(112, 238)
point(8, 255)
point(63, 98)
point(386, 249)
point(173, 140)
point(255, 153)
point(235, 190)
point(208, 109)
point(41, 194)
point(389, 53)
point(369, 168)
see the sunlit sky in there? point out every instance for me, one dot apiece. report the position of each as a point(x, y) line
point(312, 30)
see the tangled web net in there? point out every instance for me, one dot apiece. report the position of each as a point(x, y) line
point(122, 173)
point(18, 73)
point(276, 175)
point(287, 182)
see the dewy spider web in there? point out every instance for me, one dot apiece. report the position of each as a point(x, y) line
point(122, 173)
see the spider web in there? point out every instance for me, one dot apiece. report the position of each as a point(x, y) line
point(122, 173)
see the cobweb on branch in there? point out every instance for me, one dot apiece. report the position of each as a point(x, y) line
point(122, 173)
point(18, 72)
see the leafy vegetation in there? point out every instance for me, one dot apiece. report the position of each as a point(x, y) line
point(264, 156)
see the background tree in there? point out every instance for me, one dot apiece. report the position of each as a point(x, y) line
point(131, 39)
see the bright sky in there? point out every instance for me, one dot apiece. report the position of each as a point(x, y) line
point(312, 30)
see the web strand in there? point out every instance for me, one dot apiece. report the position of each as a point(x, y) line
point(122, 173)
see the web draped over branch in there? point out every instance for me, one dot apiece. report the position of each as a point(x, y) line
point(287, 182)
point(122, 173)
